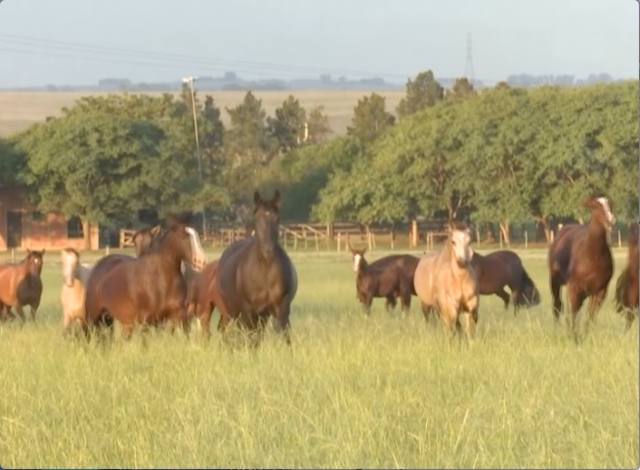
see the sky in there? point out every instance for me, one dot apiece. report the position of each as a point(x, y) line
point(81, 41)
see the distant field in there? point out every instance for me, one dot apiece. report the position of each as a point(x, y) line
point(387, 391)
point(18, 110)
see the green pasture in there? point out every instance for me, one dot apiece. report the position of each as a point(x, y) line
point(387, 390)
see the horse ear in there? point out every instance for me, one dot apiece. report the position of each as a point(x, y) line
point(256, 198)
point(591, 203)
point(276, 199)
point(155, 231)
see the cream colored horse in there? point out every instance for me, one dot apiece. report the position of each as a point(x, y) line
point(447, 283)
point(72, 295)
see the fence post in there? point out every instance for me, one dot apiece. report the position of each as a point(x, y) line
point(106, 250)
point(317, 246)
point(619, 239)
point(526, 239)
point(338, 241)
point(369, 241)
point(500, 231)
point(414, 233)
point(393, 240)
point(13, 255)
point(478, 237)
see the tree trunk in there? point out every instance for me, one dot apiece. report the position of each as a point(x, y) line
point(86, 234)
point(546, 228)
point(506, 233)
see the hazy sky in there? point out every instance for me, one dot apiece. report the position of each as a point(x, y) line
point(149, 40)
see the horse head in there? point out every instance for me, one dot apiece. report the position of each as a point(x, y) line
point(358, 256)
point(144, 239)
point(267, 216)
point(70, 262)
point(459, 241)
point(184, 242)
point(601, 211)
point(34, 261)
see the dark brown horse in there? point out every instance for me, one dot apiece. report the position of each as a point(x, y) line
point(146, 290)
point(504, 268)
point(20, 285)
point(390, 277)
point(627, 284)
point(580, 257)
point(255, 277)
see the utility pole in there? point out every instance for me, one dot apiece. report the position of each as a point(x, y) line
point(190, 81)
point(638, 218)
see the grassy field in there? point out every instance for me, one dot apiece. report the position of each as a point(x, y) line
point(383, 391)
point(19, 110)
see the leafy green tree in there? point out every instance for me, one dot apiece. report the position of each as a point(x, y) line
point(370, 119)
point(287, 126)
point(462, 89)
point(422, 92)
point(318, 125)
point(12, 163)
point(248, 140)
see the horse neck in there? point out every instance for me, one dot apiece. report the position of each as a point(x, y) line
point(596, 233)
point(82, 273)
point(450, 258)
point(363, 266)
point(167, 256)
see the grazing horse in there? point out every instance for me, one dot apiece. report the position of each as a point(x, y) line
point(504, 268)
point(255, 277)
point(627, 284)
point(446, 282)
point(580, 257)
point(20, 285)
point(72, 293)
point(390, 277)
point(146, 290)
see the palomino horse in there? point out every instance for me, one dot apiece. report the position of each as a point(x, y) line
point(504, 268)
point(627, 284)
point(20, 285)
point(580, 257)
point(390, 277)
point(145, 290)
point(255, 277)
point(72, 294)
point(446, 282)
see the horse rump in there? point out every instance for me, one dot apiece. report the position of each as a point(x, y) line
point(528, 294)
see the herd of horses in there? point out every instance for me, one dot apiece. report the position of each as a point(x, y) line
point(169, 281)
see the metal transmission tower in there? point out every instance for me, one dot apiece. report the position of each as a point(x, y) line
point(468, 66)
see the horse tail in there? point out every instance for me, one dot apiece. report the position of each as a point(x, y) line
point(528, 294)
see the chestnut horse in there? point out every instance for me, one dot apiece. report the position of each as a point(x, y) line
point(504, 268)
point(255, 277)
point(580, 257)
point(390, 277)
point(205, 297)
point(446, 282)
point(627, 284)
point(147, 290)
point(20, 285)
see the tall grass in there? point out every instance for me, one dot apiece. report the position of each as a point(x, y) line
point(383, 391)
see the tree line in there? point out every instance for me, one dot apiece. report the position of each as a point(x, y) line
point(499, 156)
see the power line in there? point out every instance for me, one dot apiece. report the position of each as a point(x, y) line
point(34, 44)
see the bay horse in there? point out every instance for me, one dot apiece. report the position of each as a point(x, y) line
point(580, 258)
point(390, 277)
point(205, 297)
point(145, 239)
point(255, 278)
point(146, 290)
point(72, 293)
point(20, 285)
point(627, 284)
point(503, 268)
point(446, 282)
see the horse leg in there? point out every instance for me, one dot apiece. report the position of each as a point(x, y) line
point(576, 298)
point(282, 324)
point(504, 296)
point(204, 315)
point(555, 292)
point(405, 299)
point(390, 304)
point(427, 311)
point(127, 330)
point(20, 312)
point(471, 318)
point(631, 316)
point(595, 302)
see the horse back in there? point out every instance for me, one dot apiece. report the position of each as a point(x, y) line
point(11, 275)
point(562, 247)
